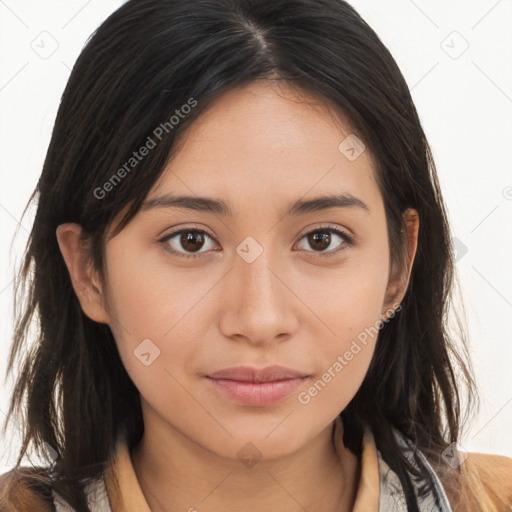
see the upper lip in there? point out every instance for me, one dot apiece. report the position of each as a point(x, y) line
point(249, 374)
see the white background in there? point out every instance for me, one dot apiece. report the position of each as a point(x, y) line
point(465, 104)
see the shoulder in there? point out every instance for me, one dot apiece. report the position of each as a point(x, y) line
point(486, 484)
point(19, 494)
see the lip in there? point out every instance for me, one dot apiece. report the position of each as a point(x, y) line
point(259, 388)
point(250, 374)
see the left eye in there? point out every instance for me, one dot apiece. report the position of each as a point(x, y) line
point(321, 238)
point(193, 240)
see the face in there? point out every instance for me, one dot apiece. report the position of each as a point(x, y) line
point(193, 291)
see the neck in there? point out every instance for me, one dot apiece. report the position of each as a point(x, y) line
point(177, 474)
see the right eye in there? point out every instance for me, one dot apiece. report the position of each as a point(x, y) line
point(189, 240)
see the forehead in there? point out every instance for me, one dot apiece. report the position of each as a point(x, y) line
point(279, 115)
point(272, 138)
point(262, 148)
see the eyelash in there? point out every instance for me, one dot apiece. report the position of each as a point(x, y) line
point(347, 241)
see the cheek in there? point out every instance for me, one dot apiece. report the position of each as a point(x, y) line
point(341, 378)
point(347, 356)
point(148, 297)
point(349, 305)
point(349, 298)
point(149, 305)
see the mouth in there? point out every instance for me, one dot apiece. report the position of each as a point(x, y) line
point(258, 388)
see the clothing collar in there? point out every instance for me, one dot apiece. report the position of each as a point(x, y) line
point(392, 496)
point(379, 488)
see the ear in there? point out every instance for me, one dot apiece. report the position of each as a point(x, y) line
point(398, 284)
point(85, 283)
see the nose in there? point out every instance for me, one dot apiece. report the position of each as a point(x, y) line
point(258, 306)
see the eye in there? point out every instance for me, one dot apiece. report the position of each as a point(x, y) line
point(189, 239)
point(322, 237)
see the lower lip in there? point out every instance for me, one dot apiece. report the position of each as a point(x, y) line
point(257, 393)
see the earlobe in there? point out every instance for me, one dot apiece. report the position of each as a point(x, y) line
point(76, 258)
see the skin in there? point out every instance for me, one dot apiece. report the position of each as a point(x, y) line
point(292, 305)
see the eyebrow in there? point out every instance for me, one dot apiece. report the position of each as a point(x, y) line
point(220, 207)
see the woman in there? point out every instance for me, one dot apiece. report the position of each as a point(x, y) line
point(297, 359)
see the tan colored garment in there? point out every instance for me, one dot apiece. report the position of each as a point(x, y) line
point(489, 476)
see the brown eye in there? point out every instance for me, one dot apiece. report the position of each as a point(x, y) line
point(192, 240)
point(319, 240)
point(186, 241)
point(322, 238)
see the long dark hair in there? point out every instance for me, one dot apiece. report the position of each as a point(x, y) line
point(141, 66)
